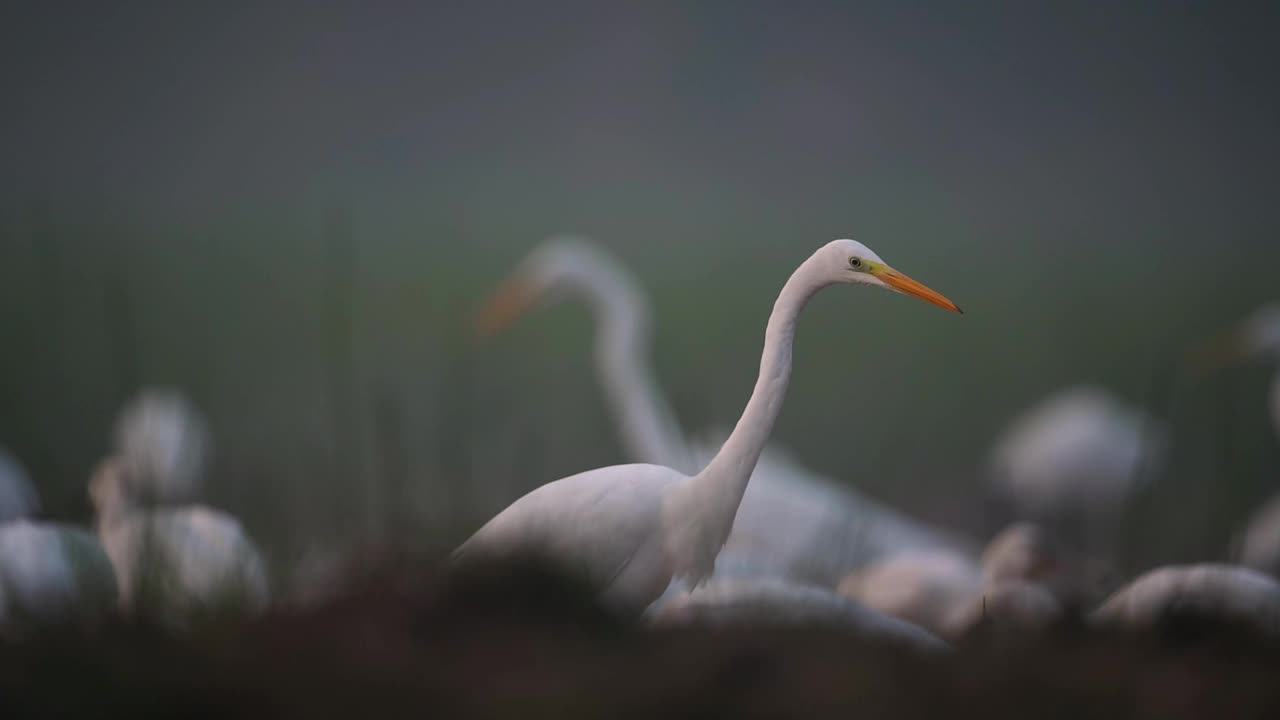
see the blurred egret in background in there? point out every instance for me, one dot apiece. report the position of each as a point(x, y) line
point(791, 522)
point(1219, 595)
point(1074, 461)
point(1015, 584)
point(774, 602)
point(632, 528)
point(164, 442)
point(175, 560)
point(49, 572)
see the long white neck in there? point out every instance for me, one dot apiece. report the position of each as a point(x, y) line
point(647, 426)
point(698, 515)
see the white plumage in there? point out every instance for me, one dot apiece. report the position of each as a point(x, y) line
point(762, 601)
point(948, 592)
point(164, 443)
point(1224, 593)
point(49, 572)
point(1075, 460)
point(632, 528)
point(53, 573)
point(792, 522)
point(923, 587)
point(175, 561)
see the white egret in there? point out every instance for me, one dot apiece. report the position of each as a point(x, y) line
point(632, 528)
point(178, 560)
point(1224, 593)
point(773, 602)
point(924, 587)
point(48, 571)
point(1073, 461)
point(947, 592)
point(51, 572)
point(791, 522)
point(1016, 605)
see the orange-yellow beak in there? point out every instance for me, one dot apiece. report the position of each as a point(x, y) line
point(504, 307)
point(907, 286)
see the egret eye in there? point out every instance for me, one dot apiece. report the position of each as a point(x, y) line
point(855, 263)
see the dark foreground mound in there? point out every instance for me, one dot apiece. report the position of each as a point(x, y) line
point(526, 641)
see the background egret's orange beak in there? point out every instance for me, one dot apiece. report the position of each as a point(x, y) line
point(907, 286)
point(504, 307)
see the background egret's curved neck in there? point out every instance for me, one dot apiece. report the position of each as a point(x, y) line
point(647, 426)
point(732, 466)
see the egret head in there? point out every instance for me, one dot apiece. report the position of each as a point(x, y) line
point(849, 261)
point(164, 444)
point(562, 266)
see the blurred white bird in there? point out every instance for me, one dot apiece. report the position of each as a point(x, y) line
point(949, 593)
point(924, 587)
point(1224, 594)
point(175, 561)
point(632, 528)
point(791, 522)
point(49, 572)
point(773, 602)
point(17, 494)
point(1074, 461)
point(164, 443)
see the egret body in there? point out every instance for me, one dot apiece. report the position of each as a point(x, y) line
point(632, 528)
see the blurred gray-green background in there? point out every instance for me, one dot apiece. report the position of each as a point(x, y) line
point(290, 210)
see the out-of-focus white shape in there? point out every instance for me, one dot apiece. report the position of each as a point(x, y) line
point(791, 522)
point(1225, 593)
point(17, 495)
point(921, 587)
point(1022, 550)
point(164, 442)
point(1078, 452)
point(53, 573)
point(948, 593)
point(633, 528)
point(180, 561)
point(1260, 544)
point(766, 602)
point(1005, 605)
